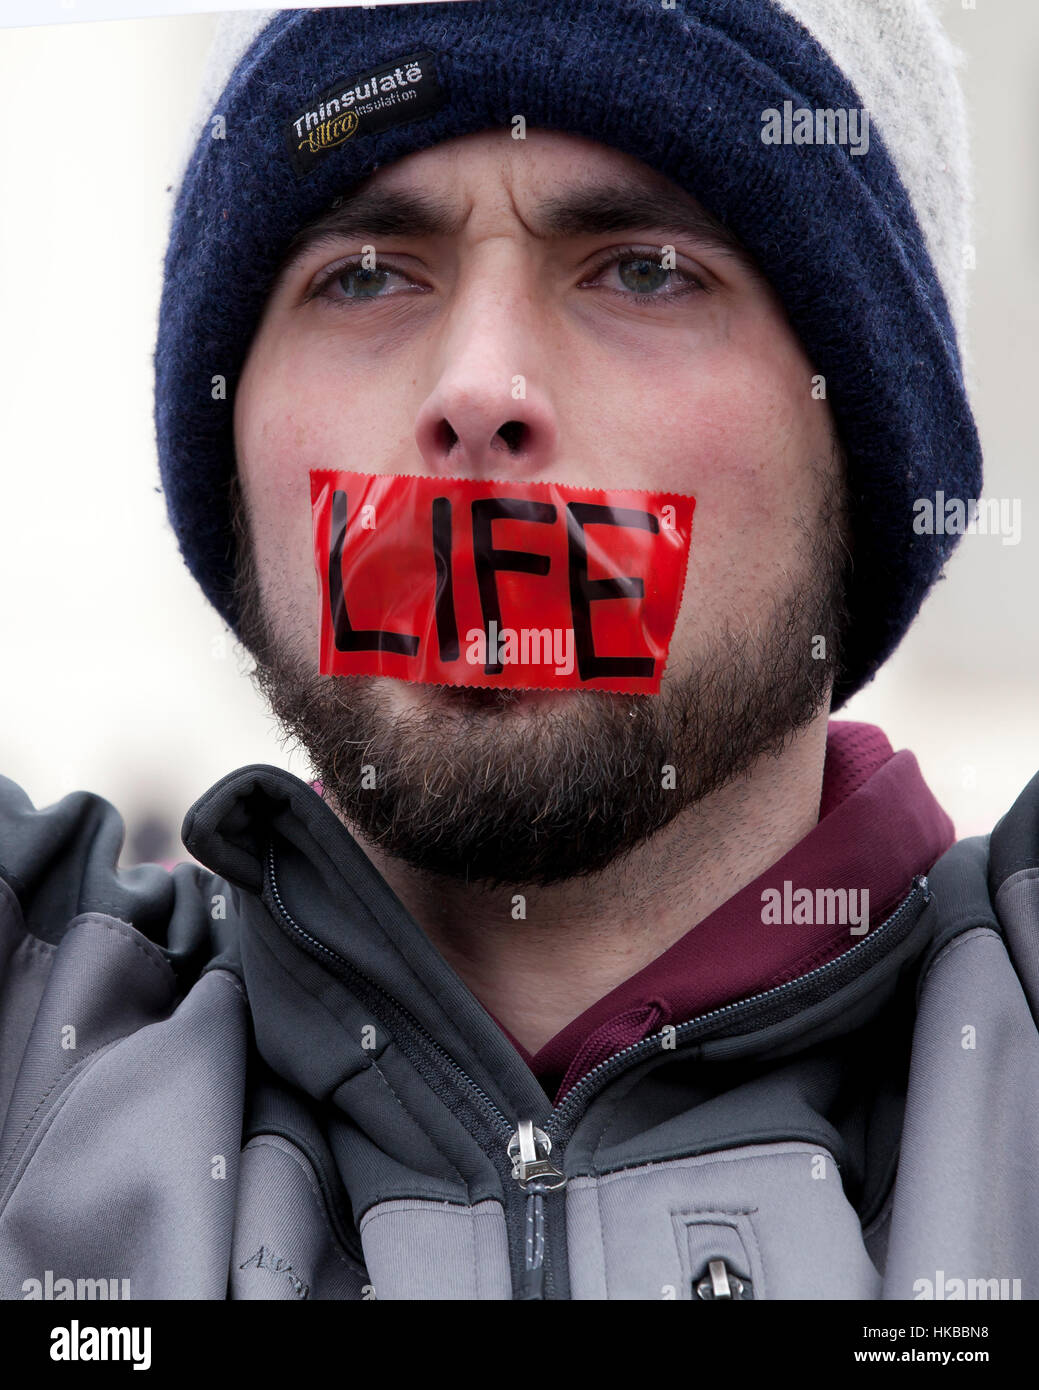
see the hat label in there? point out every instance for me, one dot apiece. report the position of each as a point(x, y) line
point(405, 89)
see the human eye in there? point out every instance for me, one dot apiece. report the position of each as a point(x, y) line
point(358, 280)
point(641, 274)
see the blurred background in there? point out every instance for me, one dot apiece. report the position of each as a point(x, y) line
point(117, 677)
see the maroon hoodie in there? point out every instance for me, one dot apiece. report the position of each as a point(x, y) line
point(879, 825)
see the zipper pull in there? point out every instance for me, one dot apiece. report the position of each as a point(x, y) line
point(528, 1165)
point(719, 1282)
point(533, 1285)
point(529, 1149)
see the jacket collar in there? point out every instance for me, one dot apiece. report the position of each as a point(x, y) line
point(356, 961)
point(329, 953)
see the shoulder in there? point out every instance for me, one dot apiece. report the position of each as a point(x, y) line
point(992, 881)
point(1014, 842)
point(61, 862)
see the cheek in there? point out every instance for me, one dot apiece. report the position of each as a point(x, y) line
point(755, 438)
point(731, 421)
point(299, 408)
point(280, 434)
point(279, 437)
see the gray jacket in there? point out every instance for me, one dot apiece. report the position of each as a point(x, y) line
point(260, 1080)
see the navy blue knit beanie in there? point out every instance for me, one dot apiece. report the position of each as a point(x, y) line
point(864, 246)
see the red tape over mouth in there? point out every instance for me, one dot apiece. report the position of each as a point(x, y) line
point(456, 581)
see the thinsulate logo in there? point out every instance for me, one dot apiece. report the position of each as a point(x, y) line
point(330, 133)
point(405, 89)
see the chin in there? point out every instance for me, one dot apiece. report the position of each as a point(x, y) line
point(472, 699)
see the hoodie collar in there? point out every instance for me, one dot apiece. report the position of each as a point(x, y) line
point(357, 959)
point(879, 825)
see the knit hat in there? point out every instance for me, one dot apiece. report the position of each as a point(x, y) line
point(755, 107)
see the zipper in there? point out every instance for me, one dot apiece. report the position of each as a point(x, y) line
point(865, 949)
point(501, 1123)
point(533, 1173)
point(503, 1128)
point(719, 1282)
point(527, 1147)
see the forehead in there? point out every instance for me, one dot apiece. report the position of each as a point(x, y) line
point(488, 159)
point(554, 184)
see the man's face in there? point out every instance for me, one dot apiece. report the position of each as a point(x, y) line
point(687, 380)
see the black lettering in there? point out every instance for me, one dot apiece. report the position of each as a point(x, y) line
point(447, 623)
point(489, 561)
point(346, 638)
point(584, 591)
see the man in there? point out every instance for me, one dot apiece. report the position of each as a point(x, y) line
point(584, 990)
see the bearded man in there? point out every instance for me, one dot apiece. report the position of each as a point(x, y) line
point(553, 985)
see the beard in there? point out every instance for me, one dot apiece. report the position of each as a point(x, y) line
point(478, 786)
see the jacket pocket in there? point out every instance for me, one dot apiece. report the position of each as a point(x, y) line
point(718, 1252)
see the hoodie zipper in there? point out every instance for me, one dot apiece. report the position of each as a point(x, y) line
point(345, 969)
point(599, 1075)
point(528, 1147)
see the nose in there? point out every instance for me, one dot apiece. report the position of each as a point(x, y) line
point(488, 414)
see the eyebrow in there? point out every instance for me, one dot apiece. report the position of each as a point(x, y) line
point(596, 209)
